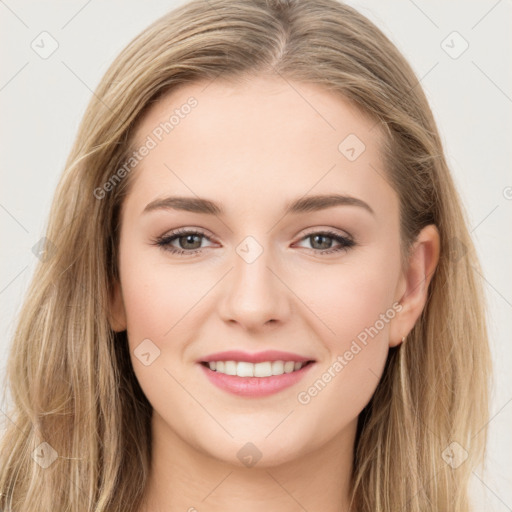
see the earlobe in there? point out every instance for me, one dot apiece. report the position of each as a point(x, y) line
point(423, 260)
point(117, 314)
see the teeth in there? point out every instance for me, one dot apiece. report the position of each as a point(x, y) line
point(245, 369)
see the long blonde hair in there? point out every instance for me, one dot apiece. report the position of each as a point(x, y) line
point(69, 373)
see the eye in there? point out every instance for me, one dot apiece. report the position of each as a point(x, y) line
point(323, 242)
point(189, 242)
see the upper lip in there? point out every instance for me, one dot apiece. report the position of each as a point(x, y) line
point(257, 357)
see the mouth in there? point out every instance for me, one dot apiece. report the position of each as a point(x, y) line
point(255, 379)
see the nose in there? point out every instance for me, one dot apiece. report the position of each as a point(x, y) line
point(254, 295)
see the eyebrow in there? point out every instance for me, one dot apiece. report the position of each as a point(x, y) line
point(302, 205)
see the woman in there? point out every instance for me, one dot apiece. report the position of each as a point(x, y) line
point(321, 344)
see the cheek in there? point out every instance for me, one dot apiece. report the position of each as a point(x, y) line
point(157, 296)
point(160, 302)
point(353, 309)
point(351, 298)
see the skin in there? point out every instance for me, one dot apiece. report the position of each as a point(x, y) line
point(251, 147)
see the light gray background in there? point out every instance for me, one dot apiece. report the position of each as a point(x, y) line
point(43, 100)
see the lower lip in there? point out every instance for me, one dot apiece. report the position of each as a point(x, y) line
point(255, 386)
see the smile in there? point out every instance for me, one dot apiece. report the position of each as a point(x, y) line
point(254, 380)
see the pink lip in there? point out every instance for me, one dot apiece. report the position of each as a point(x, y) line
point(259, 357)
point(254, 387)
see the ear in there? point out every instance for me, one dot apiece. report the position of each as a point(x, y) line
point(412, 289)
point(117, 313)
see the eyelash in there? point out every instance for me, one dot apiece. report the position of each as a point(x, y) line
point(165, 241)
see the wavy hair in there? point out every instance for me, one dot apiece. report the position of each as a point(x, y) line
point(69, 374)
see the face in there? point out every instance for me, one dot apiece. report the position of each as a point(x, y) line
point(320, 281)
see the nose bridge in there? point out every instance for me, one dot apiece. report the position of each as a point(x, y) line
point(252, 262)
point(254, 294)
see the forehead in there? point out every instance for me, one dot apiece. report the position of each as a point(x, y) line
point(261, 136)
point(261, 107)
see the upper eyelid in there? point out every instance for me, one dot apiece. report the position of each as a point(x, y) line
point(206, 233)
